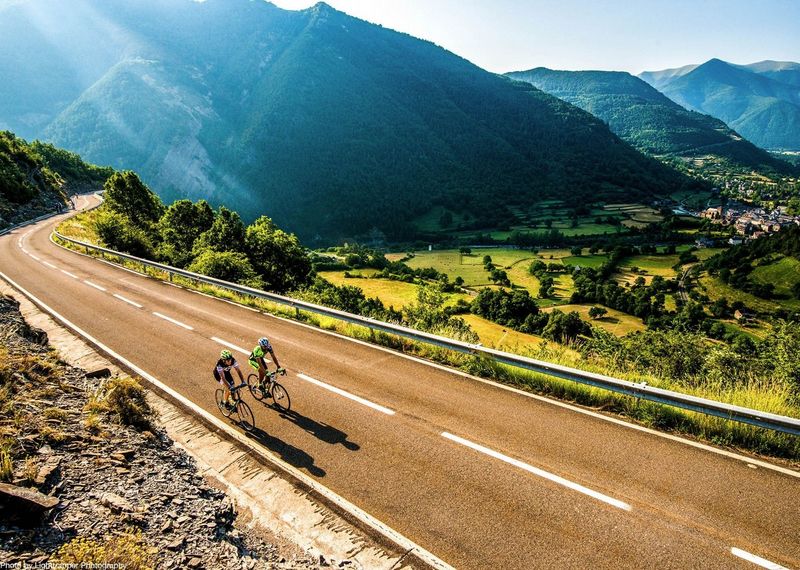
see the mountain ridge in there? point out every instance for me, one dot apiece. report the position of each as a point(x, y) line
point(752, 99)
point(648, 119)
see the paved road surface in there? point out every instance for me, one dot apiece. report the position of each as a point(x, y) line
point(479, 475)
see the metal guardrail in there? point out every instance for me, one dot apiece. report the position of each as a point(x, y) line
point(642, 390)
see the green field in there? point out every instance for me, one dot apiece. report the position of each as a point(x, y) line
point(784, 274)
point(542, 216)
point(470, 267)
point(716, 289)
point(395, 294)
point(615, 322)
point(592, 261)
point(497, 336)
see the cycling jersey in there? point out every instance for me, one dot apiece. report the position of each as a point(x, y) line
point(222, 370)
point(255, 356)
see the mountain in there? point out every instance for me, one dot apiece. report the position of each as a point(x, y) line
point(648, 120)
point(783, 71)
point(332, 126)
point(761, 101)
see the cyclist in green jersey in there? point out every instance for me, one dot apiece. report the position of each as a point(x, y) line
point(257, 358)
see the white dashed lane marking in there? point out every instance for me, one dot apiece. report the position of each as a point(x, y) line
point(341, 392)
point(134, 303)
point(536, 471)
point(173, 321)
point(95, 285)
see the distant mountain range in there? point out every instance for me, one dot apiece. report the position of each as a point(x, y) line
point(332, 126)
point(761, 101)
point(650, 121)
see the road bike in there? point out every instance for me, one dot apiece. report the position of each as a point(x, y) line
point(243, 411)
point(270, 388)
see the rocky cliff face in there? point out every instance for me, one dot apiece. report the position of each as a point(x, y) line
point(78, 483)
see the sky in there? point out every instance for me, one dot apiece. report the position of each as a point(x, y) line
point(624, 35)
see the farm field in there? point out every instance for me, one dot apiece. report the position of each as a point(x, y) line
point(615, 322)
point(716, 289)
point(541, 217)
point(470, 267)
point(395, 294)
point(497, 336)
point(784, 274)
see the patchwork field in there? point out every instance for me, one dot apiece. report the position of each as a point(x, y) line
point(784, 274)
point(496, 336)
point(542, 217)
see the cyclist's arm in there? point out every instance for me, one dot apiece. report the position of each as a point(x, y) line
point(238, 371)
point(275, 358)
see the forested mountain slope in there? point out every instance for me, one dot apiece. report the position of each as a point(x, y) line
point(332, 126)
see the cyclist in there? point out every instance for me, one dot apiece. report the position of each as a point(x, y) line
point(222, 373)
point(257, 360)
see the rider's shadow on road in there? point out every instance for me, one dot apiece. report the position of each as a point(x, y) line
point(321, 431)
point(290, 454)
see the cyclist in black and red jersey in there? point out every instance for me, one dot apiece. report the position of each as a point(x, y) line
point(222, 373)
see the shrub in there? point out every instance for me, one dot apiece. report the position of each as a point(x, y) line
point(127, 550)
point(125, 398)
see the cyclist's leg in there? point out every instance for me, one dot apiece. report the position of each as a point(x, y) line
point(227, 384)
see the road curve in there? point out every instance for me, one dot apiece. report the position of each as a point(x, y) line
point(479, 475)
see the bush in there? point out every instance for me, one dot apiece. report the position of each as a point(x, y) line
point(127, 550)
point(125, 398)
point(228, 266)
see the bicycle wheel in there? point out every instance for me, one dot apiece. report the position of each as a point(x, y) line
point(256, 388)
point(280, 397)
point(246, 418)
point(219, 396)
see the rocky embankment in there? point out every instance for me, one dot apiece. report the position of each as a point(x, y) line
point(87, 474)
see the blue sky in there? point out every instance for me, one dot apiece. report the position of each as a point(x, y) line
point(632, 35)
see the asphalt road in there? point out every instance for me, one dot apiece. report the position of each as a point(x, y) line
point(479, 475)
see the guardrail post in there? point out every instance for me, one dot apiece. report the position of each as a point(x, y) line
point(297, 312)
point(169, 275)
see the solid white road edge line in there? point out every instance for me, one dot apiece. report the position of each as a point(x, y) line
point(311, 483)
point(541, 473)
point(341, 392)
point(65, 272)
point(95, 285)
point(757, 560)
point(230, 345)
point(563, 405)
point(173, 321)
point(134, 303)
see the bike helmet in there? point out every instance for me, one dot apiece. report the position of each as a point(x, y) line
point(263, 342)
point(225, 355)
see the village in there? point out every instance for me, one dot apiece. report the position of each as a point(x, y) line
point(749, 221)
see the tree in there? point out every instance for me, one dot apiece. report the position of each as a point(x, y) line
point(226, 265)
point(796, 290)
point(226, 233)
point(487, 260)
point(576, 250)
point(179, 227)
point(277, 256)
point(119, 233)
point(546, 287)
point(597, 312)
point(126, 194)
point(465, 251)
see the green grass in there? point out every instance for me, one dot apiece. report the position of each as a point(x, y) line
point(615, 322)
point(397, 294)
point(592, 261)
point(716, 289)
point(784, 274)
point(497, 336)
